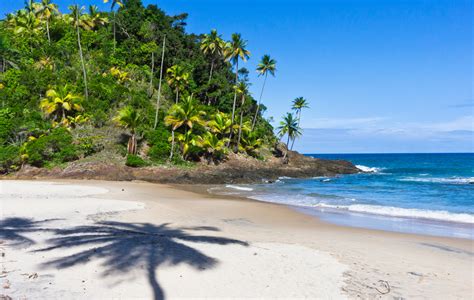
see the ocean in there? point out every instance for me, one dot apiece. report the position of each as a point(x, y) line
point(413, 193)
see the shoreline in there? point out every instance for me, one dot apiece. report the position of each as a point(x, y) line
point(345, 261)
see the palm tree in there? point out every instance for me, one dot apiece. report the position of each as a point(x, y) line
point(214, 146)
point(266, 65)
point(250, 141)
point(220, 124)
point(112, 6)
point(96, 19)
point(212, 45)
point(187, 115)
point(25, 23)
point(241, 89)
point(80, 21)
point(46, 11)
point(130, 118)
point(178, 78)
point(59, 104)
point(298, 104)
point(235, 49)
point(159, 84)
point(289, 126)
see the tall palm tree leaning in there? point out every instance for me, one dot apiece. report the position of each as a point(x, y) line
point(212, 45)
point(289, 127)
point(298, 105)
point(242, 90)
point(130, 118)
point(46, 11)
point(79, 21)
point(267, 65)
point(235, 49)
point(112, 6)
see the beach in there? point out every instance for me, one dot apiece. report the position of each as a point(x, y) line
point(101, 240)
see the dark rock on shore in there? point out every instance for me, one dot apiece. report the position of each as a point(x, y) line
point(237, 169)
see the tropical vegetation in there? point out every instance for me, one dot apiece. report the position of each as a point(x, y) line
point(68, 78)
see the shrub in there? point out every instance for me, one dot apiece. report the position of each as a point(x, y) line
point(56, 147)
point(159, 145)
point(6, 125)
point(9, 159)
point(135, 161)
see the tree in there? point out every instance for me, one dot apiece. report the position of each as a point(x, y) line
point(298, 104)
point(213, 46)
point(95, 18)
point(235, 49)
point(46, 11)
point(214, 146)
point(220, 124)
point(242, 90)
point(112, 6)
point(187, 115)
point(159, 83)
point(289, 126)
point(80, 21)
point(178, 78)
point(266, 65)
point(129, 118)
point(61, 104)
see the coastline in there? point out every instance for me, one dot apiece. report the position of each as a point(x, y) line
point(365, 259)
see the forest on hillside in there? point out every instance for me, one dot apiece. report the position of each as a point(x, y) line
point(131, 83)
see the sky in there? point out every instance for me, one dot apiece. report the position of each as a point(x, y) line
point(380, 75)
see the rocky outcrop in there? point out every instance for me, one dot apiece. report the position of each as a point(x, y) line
point(237, 169)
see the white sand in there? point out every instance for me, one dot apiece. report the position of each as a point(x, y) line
point(185, 266)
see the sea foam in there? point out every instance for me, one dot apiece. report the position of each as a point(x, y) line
point(439, 215)
point(368, 169)
point(447, 180)
point(240, 188)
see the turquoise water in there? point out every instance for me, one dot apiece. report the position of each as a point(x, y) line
point(415, 193)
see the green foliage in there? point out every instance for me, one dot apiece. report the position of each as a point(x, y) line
point(57, 147)
point(159, 146)
point(9, 158)
point(6, 125)
point(135, 161)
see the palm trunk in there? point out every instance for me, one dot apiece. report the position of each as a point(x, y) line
point(47, 30)
point(159, 84)
point(210, 73)
point(235, 99)
point(259, 101)
point(287, 145)
point(241, 118)
point(299, 118)
point(86, 94)
point(172, 143)
point(150, 90)
point(115, 41)
point(132, 144)
point(177, 95)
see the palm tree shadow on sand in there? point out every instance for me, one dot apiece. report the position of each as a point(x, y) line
point(13, 230)
point(124, 246)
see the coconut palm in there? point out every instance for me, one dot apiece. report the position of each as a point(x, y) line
point(220, 124)
point(235, 49)
point(214, 146)
point(266, 66)
point(59, 104)
point(95, 18)
point(250, 142)
point(187, 115)
point(178, 78)
point(112, 6)
point(289, 127)
point(298, 104)
point(129, 118)
point(25, 23)
point(213, 46)
point(79, 21)
point(46, 11)
point(159, 83)
point(242, 90)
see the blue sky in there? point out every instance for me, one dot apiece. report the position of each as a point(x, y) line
point(381, 75)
